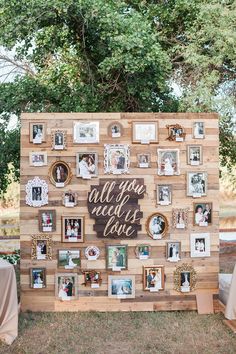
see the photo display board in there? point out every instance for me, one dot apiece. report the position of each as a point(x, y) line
point(118, 211)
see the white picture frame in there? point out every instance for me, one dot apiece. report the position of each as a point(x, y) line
point(200, 245)
point(168, 162)
point(86, 132)
point(36, 192)
point(38, 158)
point(86, 164)
point(116, 158)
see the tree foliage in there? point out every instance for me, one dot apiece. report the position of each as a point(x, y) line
point(96, 55)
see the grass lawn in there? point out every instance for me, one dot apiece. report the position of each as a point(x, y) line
point(116, 333)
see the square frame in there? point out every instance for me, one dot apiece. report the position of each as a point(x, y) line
point(116, 164)
point(63, 225)
point(144, 160)
point(148, 139)
point(122, 294)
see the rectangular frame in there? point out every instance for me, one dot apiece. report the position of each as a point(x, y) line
point(68, 266)
point(125, 278)
point(123, 160)
point(108, 267)
point(169, 170)
point(66, 275)
point(145, 276)
point(93, 126)
point(89, 171)
point(207, 245)
point(38, 163)
point(43, 269)
point(199, 187)
point(146, 140)
point(205, 217)
point(44, 127)
point(193, 162)
point(63, 218)
point(47, 239)
point(145, 162)
point(196, 133)
point(62, 146)
point(158, 191)
point(40, 215)
point(176, 257)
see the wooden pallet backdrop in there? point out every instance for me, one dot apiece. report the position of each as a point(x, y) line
point(96, 299)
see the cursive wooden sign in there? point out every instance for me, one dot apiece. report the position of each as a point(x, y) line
point(114, 206)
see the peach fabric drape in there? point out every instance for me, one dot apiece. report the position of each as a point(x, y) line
point(8, 303)
point(230, 310)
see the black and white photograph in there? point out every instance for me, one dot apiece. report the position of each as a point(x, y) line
point(202, 214)
point(86, 132)
point(36, 192)
point(59, 138)
point(200, 245)
point(168, 162)
point(115, 130)
point(198, 130)
point(196, 184)
point(66, 286)
point(69, 199)
point(164, 194)
point(157, 226)
point(38, 159)
point(121, 286)
point(173, 251)
point(116, 158)
point(185, 282)
point(60, 174)
point(185, 278)
point(194, 155)
point(144, 160)
point(37, 132)
point(86, 164)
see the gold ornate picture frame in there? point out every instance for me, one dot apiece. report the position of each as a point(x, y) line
point(185, 278)
point(60, 174)
point(157, 226)
point(41, 247)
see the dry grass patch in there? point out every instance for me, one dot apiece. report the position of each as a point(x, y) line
point(116, 333)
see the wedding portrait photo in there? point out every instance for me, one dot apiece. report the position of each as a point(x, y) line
point(69, 199)
point(36, 192)
point(173, 251)
point(164, 194)
point(180, 218)
point(144, 160)
point(92, 278)
point(47, 220)
point(168, 162)
point(37, 278)
point(185, 282)
point(116, 257)
point(115, 130)
point(38, 159)
point(66, 286)
point(86, 132)
point(37, 133)
point(72, 228)
point(153, 278)
point(59, 139)
point(196, 184)
point(69, 258)
point(60, 174)
point(121, 286)
point(198, 130)
point(200, 245)
point(202, 214)
point(92, 253)
point(157, 226)
point(194, 155)
point(41, 248)
point(86, 164)
point(116, 158)
point(143, 251)
point(175, 132)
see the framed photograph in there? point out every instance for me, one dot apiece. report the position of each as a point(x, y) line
point(198, 130)
point(121, 286)
point(194, 155)
point(66, 286)
point(185, 278)
point(72, 228)
point(38, 158)
point(117, 257)
point(175, 133)
point(173, 251)
point(168, 162)
point(202, 214)
point(59, 139)
point(38, 278)
point(145, 132)
point(86, 164)
point(115, 130)
point(37, 132)
point(41, 247)
point(47, 220)
point(92, 253)
point(92, 278)
point(60, 174)
point(144, 160)
point(200, 245)
point(143, 251)
point(153, 278)
point(36, 192)
point(69, 199)
point(180, 218)
point(196, 184)
point(157, 226)
point(86, 132)
point(164, 194)
point(69, 258)
point(116, 158)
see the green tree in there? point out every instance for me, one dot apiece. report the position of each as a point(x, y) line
point(96, 55)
